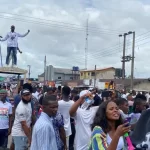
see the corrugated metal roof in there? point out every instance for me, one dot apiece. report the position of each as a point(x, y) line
point(63, 70)
point(98, 69)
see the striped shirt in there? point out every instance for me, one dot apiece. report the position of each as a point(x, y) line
point(43, 137)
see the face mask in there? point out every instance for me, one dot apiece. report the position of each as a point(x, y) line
point(25, 101)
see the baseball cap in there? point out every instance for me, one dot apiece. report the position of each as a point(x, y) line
point(25, 92)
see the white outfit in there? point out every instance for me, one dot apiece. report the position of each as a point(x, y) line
point(83, 120)
point(12, 38)
point(23, 113)
point(123, 115)
point(63, 108)
point(5, 111)
point(124, 96)
point(120, 145)
point(36, 95)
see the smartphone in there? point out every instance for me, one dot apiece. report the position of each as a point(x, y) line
point(128, 119)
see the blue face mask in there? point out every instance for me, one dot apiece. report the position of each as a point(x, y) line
point(87, 103)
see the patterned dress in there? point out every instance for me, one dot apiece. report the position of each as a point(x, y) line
point(57, 124)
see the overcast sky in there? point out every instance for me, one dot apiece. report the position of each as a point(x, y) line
point(58, 31)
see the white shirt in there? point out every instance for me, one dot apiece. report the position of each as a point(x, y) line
point(5, 111)
point(23, 113)
point(124, 96)
point(83, 120)
point(120, 145)
point(123, 115)
point(36, 95)
point(12, 38)
point(63, 108)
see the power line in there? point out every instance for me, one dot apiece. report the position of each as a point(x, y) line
point(59, 22)
point(52, 25)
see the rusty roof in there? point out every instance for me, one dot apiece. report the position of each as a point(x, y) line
point(97, 69)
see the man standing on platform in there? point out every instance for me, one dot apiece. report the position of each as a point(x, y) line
point(12, 44)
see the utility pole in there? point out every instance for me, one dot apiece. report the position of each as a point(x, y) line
point(132, 63)
point(29, 72)
point(123, 58)
point(44, 69)
point(86, 42)
point(95, 77)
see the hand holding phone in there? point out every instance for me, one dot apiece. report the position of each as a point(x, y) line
point(127, 120)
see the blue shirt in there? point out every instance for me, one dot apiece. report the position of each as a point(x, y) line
point(7, 100)
point(43, 136)
point(17, 99)
point(57, 124)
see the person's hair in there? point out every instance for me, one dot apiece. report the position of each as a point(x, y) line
point(49, 98)
point(66, 90)
point(54, 89)
point(101, 119)
point(4, 87)
point(137, 101)
point(74, 91)
point(49, 89)
point(141, 96)
point(121, 101)
point(28, 86)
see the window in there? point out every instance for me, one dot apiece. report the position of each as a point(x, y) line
point(92, 73)
point(59, 78)
point(88, 74)
point(81, 74)
point(71, 78)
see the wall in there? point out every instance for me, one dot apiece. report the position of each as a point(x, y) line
point(68, 76)
point(105, 74)
point(41, 79)
point(56, 75)
point(49, 73)
point(109, 74)
point(143, 86)
point(63, 76)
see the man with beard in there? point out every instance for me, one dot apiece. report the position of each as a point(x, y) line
point(21, 131)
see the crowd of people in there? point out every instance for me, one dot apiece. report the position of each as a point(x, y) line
point(46, 118)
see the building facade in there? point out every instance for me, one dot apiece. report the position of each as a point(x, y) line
point(58, 74)
point(106, 73)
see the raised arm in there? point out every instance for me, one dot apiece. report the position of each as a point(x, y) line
point(75, 106)
point(23, 35)
point(4, 39)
